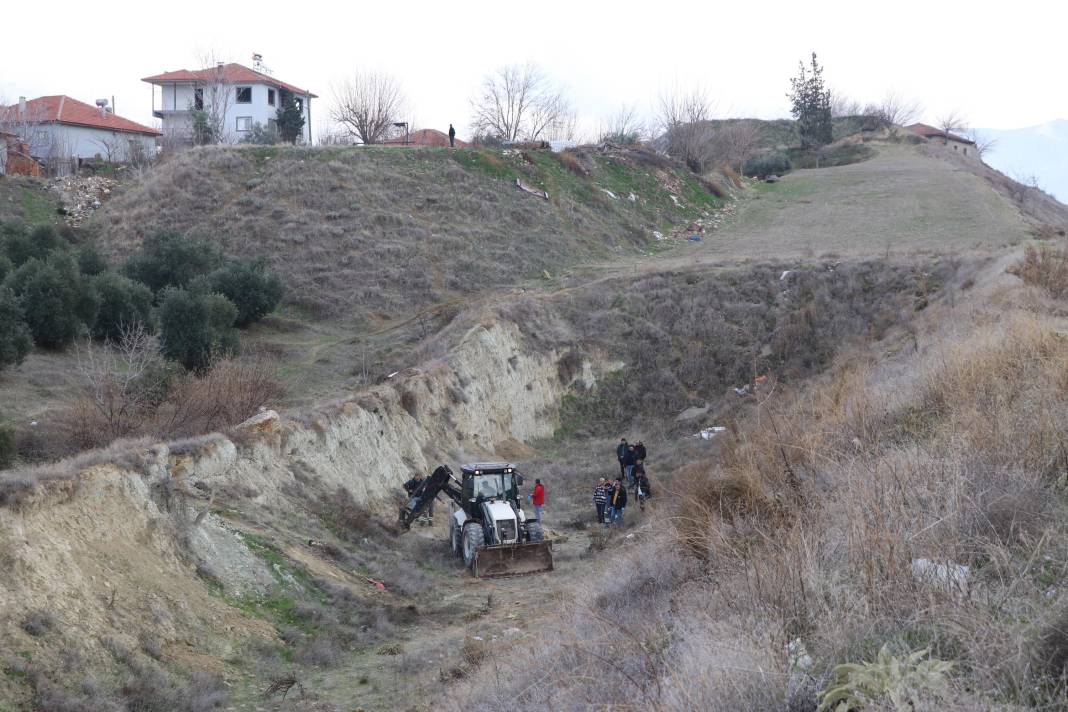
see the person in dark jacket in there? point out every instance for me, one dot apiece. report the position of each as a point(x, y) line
point(639, 451)
point(643, 480)
point(628, 464)
point(412, 486)
point(621, 454)
point(638, 473)
point(600, 498)
point(617, 502)
point(452, 137)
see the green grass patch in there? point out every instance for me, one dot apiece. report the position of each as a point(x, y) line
point(830, 157)
point(481, 160)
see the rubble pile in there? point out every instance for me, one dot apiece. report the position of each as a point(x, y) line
point(80, 196)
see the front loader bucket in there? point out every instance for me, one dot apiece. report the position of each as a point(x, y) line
point(513, 559)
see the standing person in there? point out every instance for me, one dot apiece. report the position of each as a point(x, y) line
point(600, 498)
point(621, 454)
point(452, 137)
point(637, 473)
point(628, 464)
point(618, 501)
point(537, 497)
point(639, 451)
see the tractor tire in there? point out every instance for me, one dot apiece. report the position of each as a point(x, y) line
point(474, 539)
point(535, 532)
point(456, 538)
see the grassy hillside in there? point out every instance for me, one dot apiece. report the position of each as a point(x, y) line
point(364, 235)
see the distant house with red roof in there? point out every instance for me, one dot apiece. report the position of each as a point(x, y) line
point(59, 130)
point(963, 145)
point(425, 137)
point(232, 95)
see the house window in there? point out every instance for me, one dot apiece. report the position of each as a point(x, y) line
point(965, 152)
point(198, 99)
point(270, 97)
point(244, 123)
point(244, 95)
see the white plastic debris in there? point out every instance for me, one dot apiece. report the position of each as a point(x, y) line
point(657, 235)
point(632, 198)
point(709, 433)
point(675, 199)
point(785, 274)
point(393, 374)
point(952, 577)
point(610, 194)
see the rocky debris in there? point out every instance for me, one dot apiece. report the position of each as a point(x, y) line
point(708, 223)
point(81, 196)
point(263, 422)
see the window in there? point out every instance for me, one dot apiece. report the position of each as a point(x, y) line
point(270, 97)
point(965, 152)
point(300, 104)
point(244, 123)
point(244, 95)
point(198, 99)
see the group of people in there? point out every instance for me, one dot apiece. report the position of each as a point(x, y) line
point(610, 497)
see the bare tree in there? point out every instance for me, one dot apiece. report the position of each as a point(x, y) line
point(214, 94)
point(367, 104)
point(116, 147)
point(520, 102)
point(624, 127)
point(842, 105)
point(121, 379)
point(734, 143)
point(684, 117)
point(893, 110)
point(952, 122)
point(984, 144)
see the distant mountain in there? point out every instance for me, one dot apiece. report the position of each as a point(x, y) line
point(1040, 151)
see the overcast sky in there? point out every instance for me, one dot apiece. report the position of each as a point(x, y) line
point(1002, 68)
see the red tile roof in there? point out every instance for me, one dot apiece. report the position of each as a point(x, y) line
point(931, 132)
point(425, 137)
point(231, 73)
point(63, 109)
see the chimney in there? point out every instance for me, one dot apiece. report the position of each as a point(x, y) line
point(22, 107)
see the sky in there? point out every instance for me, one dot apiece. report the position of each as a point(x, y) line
point(1000, 68)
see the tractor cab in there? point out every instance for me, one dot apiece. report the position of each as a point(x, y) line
point(489, 482)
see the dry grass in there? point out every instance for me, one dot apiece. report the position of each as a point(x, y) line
point(1046, 267)
point(804, 530)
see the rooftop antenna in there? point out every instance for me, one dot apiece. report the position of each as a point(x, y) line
point(258, 65)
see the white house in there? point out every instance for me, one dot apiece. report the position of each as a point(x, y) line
point(232, 97)
point(60, 130)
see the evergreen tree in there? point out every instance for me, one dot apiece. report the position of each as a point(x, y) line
point(55, 299)
point(811, 105)
point(169, 259)
point(124, 303)
point(196, 328)
point(290, 120)
point(15, 338)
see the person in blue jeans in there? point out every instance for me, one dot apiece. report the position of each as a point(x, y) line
point(617, 502)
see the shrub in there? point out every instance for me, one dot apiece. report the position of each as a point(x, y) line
point(22, 246)
point(55, 300)
point(196, 328)
point(1046, 267)
point(261, 136)
point(123, 303)
point(91, 262)
point(766, 164)
point(168, 259)
point(8, 448)
point(6, 267)
point(252, 288)
point(38, 623)
point(15, 337)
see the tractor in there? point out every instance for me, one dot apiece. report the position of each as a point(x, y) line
point(488, 527)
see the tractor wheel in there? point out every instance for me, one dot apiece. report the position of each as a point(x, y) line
point(474, 539)
point(456, 538)
point(534, 531)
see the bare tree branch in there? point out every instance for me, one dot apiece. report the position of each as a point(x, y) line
point(368, 104)
point(519, 102)
point(893, 110)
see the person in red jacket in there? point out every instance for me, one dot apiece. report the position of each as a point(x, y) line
point(537, 498)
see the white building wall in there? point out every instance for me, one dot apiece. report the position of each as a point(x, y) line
point(179, 98)
point(87, 142)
